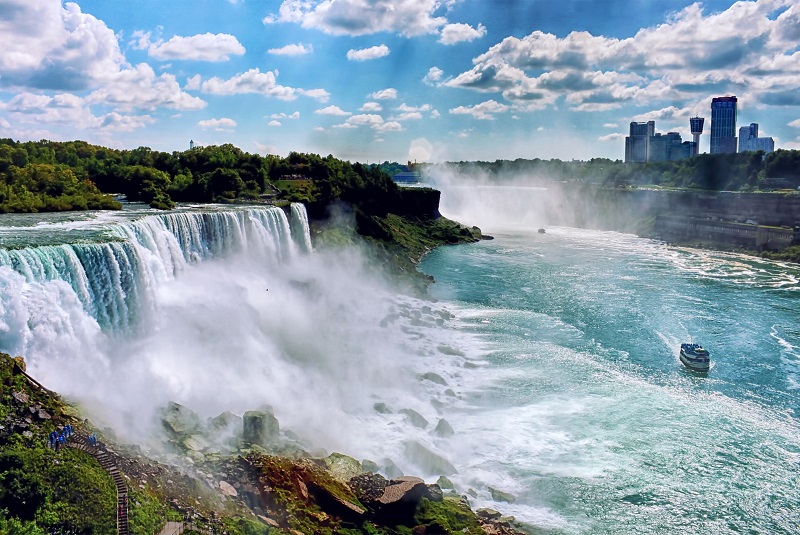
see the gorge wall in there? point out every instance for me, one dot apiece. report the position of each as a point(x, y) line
point(751, 220)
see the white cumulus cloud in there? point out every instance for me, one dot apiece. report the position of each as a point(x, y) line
point(223, 123)
point(457, 33)
point(203, 47)
point(255, 81)
point(362, 17)
point(364, 54)
point(139, 87)
point(371, 106)
point(297, 49)
point(44, 45)
point(484, 111)
point(332, 110)
point(384, 94)
point(434, 75)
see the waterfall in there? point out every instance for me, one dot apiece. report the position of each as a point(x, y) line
point(114, 280)
point(300, 228)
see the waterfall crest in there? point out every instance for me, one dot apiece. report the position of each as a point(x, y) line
point(114, 281)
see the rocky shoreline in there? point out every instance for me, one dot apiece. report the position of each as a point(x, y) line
point(244, 471)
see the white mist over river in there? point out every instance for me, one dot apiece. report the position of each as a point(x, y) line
point(558, 354)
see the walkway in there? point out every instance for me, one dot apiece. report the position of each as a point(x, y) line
point(108, 464)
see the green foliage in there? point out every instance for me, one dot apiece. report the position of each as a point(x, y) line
point(452, 515)
point(15, 526)
point(65, 490)
point(145, 513)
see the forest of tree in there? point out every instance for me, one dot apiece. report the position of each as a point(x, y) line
point(748, 171)
point(55, 176)
point(37, 176)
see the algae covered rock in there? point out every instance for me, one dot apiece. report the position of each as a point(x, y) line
point(342, 467)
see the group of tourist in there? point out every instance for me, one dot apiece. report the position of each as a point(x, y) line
point(57, 439)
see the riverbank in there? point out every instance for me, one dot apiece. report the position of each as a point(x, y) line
point(265, 485)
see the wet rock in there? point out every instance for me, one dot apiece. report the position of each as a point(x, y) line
point(369, 466)
point(430, 461)
point(415, 418)
point(43, 414)
point(435, 493)
point(382, 408)
point(433, 377)
point(368, 487)
point(195, 443)
point(445, 483)
point(20, 397)
point(447, 350)
point(489, 514)
point(260, 427)
point(405, 489)
point(391, 470)
point(443, 429)
point(342, 467)
point(501, 496)
point(225, 423)
point(179, 420)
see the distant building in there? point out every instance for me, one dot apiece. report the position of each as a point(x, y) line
point(723, 125)
point(637, 144)
point(191, 144)
point(645, 145)
point(750, 142)
point(696, 126)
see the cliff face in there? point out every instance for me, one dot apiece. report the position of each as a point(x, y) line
point(758, 221)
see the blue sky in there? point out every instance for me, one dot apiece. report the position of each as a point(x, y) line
point(375, 80)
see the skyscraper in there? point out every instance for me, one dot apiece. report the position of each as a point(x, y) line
point(749, 140)
point(723, 125)
point(637, 144)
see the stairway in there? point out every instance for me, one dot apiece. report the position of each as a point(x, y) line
point(108, 464)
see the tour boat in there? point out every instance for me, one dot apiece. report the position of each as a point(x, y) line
point(541, 231)
point(695, 357)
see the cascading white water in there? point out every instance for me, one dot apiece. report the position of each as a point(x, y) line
point(115, 280)
point(220, 310)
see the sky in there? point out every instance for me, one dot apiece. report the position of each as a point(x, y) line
point(394, 80)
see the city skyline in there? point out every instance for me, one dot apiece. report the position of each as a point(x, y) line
point(374, 80)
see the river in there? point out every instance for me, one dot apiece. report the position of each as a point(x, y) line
point(553, 357)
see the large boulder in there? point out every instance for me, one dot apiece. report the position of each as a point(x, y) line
point(443, 429)
point(392, 501)
point(501, 496)
point(260, 427)
point(226, 423)
point(415, 418)
point(342, 467)
point(179, 420)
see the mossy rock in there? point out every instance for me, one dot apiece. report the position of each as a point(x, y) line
point(451, 515)
point(342, 467)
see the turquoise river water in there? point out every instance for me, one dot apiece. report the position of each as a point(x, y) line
point(552, 358)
